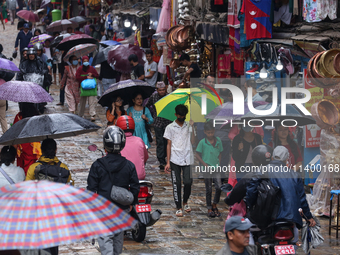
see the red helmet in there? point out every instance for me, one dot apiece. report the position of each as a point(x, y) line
point(126, 123)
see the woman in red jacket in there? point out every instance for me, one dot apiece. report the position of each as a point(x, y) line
point(84, 72)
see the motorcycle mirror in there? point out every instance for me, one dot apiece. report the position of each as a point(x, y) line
point(226, 188)
point(92, 147)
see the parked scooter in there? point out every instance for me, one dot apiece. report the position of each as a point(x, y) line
point(142, 211)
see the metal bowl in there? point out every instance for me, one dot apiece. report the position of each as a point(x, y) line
point(327, 60)
point(325, 114)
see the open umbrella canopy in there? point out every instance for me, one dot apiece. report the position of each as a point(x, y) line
point(118, 57)
point(110, 43)
point(125, 90)
point(42, 214)
point(292, 113)
point(39, 39)
point(102, 55)
point(73, 40)
point(61, 25)
point(28, 16)
point(38, 128)
point(8, 66)
point(24, 91)
point(80, 50)
point(79, 19)
point(58, 39)
point(44, 3)
point(192, 98)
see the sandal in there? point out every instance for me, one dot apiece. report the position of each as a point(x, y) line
point(179, 213)
point(216, 212)
point(211, 214)
point(187, 208)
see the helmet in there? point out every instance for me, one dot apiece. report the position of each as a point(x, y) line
point(24, 49)
point(38, 46)
point(261, 155)
point(31, 51)
point(126, 123)
point(114, 139)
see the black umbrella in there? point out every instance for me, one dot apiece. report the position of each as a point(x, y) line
point(101, 56)
point(38, 128)
point(58, 39)
point(292, 112)
point(125, 90)
point(74, 40)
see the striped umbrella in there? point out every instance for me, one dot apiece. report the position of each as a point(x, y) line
point(39, 39)
point(80, 50)
point(42, 214)
point(192, 98)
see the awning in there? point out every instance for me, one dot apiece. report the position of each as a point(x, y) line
point(213, 32)
point(310, 44)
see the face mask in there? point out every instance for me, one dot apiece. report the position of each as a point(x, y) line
point(86, 63)
point(75, 62)
point(181, 119)
point(247, 129)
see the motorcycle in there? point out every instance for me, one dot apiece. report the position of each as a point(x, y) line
point(141, 211)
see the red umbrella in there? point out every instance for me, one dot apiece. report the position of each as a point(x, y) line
point(61, 25)
point(118, 57)
point(28, 16)
point(74, 40)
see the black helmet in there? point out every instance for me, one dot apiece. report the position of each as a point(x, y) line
point(38, 46)
point(114, 139)
point(24, 49)
point(31, 51)
point(262, 155)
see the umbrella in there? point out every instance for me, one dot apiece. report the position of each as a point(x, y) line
point(292, 112)
point(28, 16)
point(24, 91)
point(39, 39)
point(78, 19)
point(102, 55)
point(226, 111)
point(109, 43)
point(40, 10)
point(165, 107)
point(8, 66)
point(42, 214)
point(80, 50)
point(58, 39)
point(61, 25)
point(125, 89)
point(311, 237)
point(44, 3)
point(118, 57)
point(2, 81)
point(73, 40)
point(38, 128)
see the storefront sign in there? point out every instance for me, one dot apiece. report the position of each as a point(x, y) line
point(313, 131)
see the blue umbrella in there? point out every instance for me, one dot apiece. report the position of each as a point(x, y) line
point(110, 43)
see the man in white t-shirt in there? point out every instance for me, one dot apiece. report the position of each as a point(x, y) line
point(150, 69)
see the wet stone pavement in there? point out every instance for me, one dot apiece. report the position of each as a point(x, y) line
point(195, 233)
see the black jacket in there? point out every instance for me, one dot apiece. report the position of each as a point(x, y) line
point(113, 169)
point(241, 156)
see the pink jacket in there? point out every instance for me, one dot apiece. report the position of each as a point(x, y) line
point(136, 152)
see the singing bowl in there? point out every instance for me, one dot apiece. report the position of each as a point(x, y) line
point(310, 72)
point(327, 60)
point(319, 73)
point(336, 63)
point(183, 37)
point(325, 114)
point(168, 36)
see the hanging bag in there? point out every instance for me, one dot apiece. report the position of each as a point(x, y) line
point(88, 84)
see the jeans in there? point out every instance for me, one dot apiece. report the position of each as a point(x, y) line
point(208, 191)
point(161, 145)
point(112, 244)
point(177, 183)
point(105, 85)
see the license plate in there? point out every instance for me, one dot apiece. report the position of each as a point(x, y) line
point(144, 208)
point(284, 249)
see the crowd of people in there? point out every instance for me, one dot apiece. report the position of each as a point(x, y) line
point(126, 140)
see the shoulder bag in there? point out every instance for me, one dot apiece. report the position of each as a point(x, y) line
point(6, 176)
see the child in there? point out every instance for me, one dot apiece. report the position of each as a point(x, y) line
point(115, 111)
point(180, 156)
point(208, 153)
point(136, 112)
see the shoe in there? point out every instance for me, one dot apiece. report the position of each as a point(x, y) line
point(257, 52)
point(270, 78)
point(93, 118)
point(186, 10)
point(187, 208)
point(217, 213)
point(262, 88)
point(287, 53)
point(185, 4)
point(270, 87)
point(259, 81)
point(253, 70)
point(274, 55)
point(266, 50)
point(211, 214)
point(60, 103)
point(179, 213)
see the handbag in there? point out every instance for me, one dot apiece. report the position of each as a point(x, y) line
point(88, 92)
point(88, 84)
point(6, 176)
point(147, 129)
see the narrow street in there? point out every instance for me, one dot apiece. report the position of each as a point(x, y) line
point(195, 233)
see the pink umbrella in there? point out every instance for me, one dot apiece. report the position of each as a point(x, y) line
point(28, 16)
point(61, 25)
point(2, 81)
point(118, 57)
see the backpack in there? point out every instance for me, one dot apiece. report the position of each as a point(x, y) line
point(53, 173)
point(267, 204)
